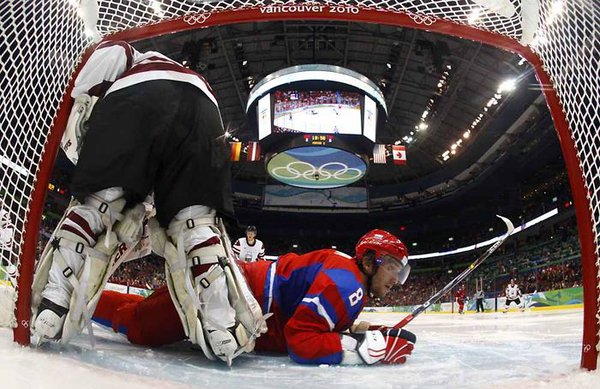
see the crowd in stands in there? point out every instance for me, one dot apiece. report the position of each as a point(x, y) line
point(145, 273)
point(545, 260)
point(540, 263)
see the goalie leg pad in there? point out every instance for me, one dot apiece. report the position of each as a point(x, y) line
point(195, 279)
point(74, 262)
point(204, 286)
point(248, 311)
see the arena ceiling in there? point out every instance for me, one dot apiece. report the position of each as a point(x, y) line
point(407, 64)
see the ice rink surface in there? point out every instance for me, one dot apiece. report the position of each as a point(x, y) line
point(493, 350)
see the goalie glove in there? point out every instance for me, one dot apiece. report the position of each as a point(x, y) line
point(389, 347)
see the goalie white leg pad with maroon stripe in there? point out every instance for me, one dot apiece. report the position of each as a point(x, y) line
point(203, 285)
point(74, 263)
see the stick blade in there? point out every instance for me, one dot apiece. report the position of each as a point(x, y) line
point(509, 225)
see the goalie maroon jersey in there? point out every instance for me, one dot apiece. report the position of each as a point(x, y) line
point(313, 297)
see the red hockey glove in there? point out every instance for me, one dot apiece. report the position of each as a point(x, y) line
point(389, 347)
point(399, 344)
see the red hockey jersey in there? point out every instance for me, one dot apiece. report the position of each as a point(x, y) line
point(460, 294)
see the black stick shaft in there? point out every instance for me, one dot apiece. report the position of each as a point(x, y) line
point(459, 278)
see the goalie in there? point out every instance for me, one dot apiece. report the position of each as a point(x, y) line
point(313, 298)
point(156, 127)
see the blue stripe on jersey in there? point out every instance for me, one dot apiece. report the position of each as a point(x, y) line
point(267, 292)
point(107, 323)
point(325, 304)
point(289, 292)
point(348, 287)
point(332, 359)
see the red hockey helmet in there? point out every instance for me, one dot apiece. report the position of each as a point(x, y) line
point(385, 245)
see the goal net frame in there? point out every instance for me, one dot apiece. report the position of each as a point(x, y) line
point(555, 48)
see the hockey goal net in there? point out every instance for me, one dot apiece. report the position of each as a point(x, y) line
point(42, 43)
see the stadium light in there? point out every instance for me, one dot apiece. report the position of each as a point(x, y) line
point(488, 242)
point(11, 165)
point(157, 8)
point(507, 86)
point(555, 11)
point(474, 16)
point(423, 126)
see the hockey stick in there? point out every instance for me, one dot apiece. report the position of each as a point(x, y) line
point(459, 278)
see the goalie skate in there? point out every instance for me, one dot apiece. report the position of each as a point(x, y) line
point(80, 269)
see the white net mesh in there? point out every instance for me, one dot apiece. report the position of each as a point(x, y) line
point(41, 43)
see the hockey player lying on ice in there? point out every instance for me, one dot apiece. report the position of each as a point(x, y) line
point(314, 298)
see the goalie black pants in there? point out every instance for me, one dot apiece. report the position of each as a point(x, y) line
point(163, 136)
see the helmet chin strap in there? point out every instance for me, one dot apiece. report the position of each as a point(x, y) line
point(369, 276)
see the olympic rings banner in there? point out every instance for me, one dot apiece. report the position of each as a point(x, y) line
point(287, 196)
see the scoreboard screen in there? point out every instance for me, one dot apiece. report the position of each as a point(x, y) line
point(316, 99)
point(317, 112)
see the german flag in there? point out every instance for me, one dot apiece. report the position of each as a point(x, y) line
point(236, 150)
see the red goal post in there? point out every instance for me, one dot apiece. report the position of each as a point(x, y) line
point(42, 45)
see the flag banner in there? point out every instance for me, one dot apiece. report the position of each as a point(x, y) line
point(253, 151)
point(236, 150)
point(399, 153)
point(379, 153)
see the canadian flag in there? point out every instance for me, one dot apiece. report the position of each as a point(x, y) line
point(399, 154)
